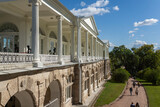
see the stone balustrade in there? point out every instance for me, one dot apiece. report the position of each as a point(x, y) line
point(15, 58)
point(9, 58)
point(66, 58)
point(48, 58)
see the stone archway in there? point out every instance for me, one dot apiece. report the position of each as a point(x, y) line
point(53, 95)
point(21, 99)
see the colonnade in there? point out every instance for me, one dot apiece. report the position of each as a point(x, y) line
point(95, 44)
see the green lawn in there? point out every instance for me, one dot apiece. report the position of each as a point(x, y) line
point(153, 93)
point(110, 93)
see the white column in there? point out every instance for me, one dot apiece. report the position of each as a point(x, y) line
point(59, 42)
point(72, 42)
point(105, 49)
point(86, 45)
point(79, 40)
point(95, 48)
point(91, 46)
point(35, 33)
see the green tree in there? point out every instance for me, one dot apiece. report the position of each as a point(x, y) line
point(147, 57)
point(121, 56)
point(120, 75)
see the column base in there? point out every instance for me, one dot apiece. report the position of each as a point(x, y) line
point(61, 62)
point(37, 64)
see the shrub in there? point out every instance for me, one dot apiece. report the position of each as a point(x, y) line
point(120, 75)
point(151, 75)
point(140, 74)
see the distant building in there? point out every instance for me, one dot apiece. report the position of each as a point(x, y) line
point(48, 56)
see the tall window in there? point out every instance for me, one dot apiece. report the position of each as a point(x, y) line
point(86, 83)
point(68, 90)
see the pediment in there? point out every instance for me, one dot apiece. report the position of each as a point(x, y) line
point(91, 23)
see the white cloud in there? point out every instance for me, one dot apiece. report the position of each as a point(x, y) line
point(146, 22)
point(136, 29)
point(100, 3)
point(97, 8)
point(99, 30)
point(131, 31)
point(116, 8)
point(132, 35)
point(83, 3)
point(156, 46)
point(141, 35)
point(111, 45)
point(138, 43)
point(89, 11)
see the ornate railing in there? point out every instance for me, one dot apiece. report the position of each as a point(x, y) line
point(89, 58)
point(28, 58)
point(66, 58)
point(15, 57)
point(84, 58)
point(48, 58)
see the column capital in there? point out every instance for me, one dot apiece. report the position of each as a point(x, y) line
point(59, 17)
point(86, 31)
point(36, 2)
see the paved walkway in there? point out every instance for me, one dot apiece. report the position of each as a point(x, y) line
point(127, 99)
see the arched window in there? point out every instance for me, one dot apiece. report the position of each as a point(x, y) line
point(8, 27)
point(64, 39)
point(40, 31)
point(52, 35)
point(9, 38)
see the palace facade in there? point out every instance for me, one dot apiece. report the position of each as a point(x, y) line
point(48, 56)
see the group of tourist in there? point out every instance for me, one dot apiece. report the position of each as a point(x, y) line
point(136, 93)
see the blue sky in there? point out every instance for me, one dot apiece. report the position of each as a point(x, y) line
point(122, 22)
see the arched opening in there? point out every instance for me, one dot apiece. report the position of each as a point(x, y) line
point(92, 80)
point(53, 43)
point(65, 45)
point(97, 80)
point(9, 38)
point(53, 95)
point(86, 83)
point(21, 99)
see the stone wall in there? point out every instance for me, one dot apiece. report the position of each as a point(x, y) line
point(36, 83)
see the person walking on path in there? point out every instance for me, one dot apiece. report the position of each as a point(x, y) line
point(134, 84)
point(131, 90)
point(132, 105)
point(136, 91)
point(137, 104)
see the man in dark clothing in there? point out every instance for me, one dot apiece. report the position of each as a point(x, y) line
point(132, 105)
point(134, 84)
point(131, 90)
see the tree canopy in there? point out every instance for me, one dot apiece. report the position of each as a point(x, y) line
point(136, 59)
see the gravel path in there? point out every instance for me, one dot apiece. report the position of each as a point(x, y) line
point(127, 99)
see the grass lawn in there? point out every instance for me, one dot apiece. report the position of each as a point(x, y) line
point(153, 93)
point(110, 93)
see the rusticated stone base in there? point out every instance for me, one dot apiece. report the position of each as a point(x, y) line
point(36, 83)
